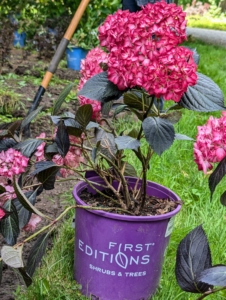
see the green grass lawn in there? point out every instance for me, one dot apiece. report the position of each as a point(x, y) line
point(174, 169)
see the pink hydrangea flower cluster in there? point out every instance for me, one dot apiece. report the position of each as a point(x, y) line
point(72, 159)
point(12, 162)
point(90, 66)
point(143, 50)
point(210, 146)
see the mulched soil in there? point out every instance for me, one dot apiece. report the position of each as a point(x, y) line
point(49, 202)
point(153, 206)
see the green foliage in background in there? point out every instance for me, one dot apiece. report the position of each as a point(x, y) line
point(206, 22)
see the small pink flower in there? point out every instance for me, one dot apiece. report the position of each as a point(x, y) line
point(33, 222)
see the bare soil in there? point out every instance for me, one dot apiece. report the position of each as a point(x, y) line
point(49, 202)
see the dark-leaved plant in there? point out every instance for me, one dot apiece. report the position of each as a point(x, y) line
point(195, 272)
point(143, 66)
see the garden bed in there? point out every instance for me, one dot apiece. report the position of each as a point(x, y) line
point(19, 75)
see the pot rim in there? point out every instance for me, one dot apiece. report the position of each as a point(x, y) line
point(81, 185)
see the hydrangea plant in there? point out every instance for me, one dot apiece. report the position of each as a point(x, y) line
point(139, 65)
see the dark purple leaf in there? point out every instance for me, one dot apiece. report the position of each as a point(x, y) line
point(9, 227)
point(193, 256)
point(24, 214)
point(5, 144)
point(223, 198)
point(217, 175)
point(36, 254)
point(62, 139)
point(1, 267)
point(2, 189)
point(46, 173)
point(214, 276)
point(127, 142)
point(28, 147)
point(204, 96)
point(159, 133)
point(84, 115)
point(100, 88)
point(27, 279)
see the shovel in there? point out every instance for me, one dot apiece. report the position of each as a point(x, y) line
point(56, 59)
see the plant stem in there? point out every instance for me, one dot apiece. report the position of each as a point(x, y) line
point(63, 214)
point(211, 292)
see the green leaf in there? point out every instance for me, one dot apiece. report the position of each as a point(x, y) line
point(57, 104)
point(28, 147)
point(134, 101)
point(62, 139)
point(204, 96)
point(36, 253)
point(133, 133)
point(130, 170)
point(119, 108)
point(84, 115)
point(25, 202)
point(24, 214)
point(100, 88)
point(173, 116)
point(159, 133)
point(9, 227)
point(30, 117)
point(12, 257)
point(217, 176)
point(27, 279)
point(127, 142)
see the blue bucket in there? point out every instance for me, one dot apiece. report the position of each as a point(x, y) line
point(74, 56)
point(19, 39)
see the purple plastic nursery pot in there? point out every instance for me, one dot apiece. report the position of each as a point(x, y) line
point(120, 257)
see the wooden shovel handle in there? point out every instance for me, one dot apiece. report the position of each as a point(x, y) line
point(64, 42)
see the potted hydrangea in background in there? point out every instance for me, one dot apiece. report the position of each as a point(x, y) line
point(123, 222)
point(195, 271)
